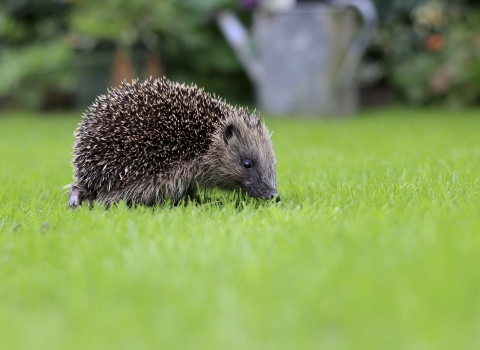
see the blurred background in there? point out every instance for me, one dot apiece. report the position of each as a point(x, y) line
point(60, 54)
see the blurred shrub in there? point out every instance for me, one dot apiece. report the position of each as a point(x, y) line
point(190, 45)
point(38, 39)
point(430, 50)
point(33, 58)
point(30, 72)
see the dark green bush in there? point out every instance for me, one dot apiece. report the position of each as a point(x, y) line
point(430, 50)
point(190, 45)
point(39, 37)
point(33, 58)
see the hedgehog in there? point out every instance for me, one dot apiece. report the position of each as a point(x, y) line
point(157, 140)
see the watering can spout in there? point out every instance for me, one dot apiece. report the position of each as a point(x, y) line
point(368, 14)
point(239, 39)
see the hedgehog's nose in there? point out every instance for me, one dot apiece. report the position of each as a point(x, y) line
point(276, 196)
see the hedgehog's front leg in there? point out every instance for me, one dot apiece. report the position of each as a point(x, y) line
point(75, 197)
point(191, 194)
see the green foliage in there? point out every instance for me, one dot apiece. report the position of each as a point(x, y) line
point(431, 50)
point(374, 245)
point(124, 22)
point(30, 71)
point(33, 57)
point(22, 22)
point(128, 22)
point(191, 46)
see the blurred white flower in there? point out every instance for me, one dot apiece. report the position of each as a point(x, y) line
point(430, 14)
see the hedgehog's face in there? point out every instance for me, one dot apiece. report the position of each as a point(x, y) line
point(244, 159)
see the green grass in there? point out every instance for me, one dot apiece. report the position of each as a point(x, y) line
point(375, 245)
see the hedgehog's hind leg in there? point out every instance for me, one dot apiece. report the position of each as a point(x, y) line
point(75, 197)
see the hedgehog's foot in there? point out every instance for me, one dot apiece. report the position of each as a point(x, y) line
point(189, 196)
point(192, 196)
point(75, 197)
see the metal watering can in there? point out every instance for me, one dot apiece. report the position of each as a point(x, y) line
point(303, 59)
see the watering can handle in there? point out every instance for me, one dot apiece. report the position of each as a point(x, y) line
point(357, 48)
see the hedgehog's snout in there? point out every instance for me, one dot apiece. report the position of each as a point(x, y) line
point(261, 191)
point(272, 196)
point(262, 187)
point(275, 196)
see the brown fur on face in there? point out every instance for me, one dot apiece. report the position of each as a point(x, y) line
point(242, 138)
point(157, 140)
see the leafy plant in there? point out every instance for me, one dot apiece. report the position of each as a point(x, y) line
point(191, 47)
point(431, 51)
point(31, 71)
point(33, 58)
point(39, 37)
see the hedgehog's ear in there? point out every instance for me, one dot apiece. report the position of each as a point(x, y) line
point(230, 130)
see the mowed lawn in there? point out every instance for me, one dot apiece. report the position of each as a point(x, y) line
point(375, 245)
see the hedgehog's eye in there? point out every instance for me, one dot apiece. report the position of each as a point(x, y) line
point(247, 163)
